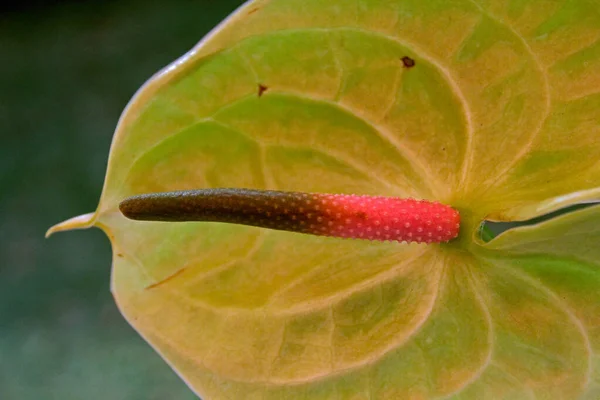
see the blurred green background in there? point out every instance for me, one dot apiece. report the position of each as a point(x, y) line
point(67, 70)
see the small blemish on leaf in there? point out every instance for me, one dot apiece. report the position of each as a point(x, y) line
point(119, 254)
point(262, 89)
point(253, 10)
point(408, 62)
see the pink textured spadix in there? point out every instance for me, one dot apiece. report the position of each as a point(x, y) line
point(388, 218)
point(338, 215)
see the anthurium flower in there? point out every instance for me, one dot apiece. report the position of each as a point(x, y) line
point(489, 107)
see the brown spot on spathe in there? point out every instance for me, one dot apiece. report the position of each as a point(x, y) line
point(408, 62)
point(255, 9)
point(262, 89)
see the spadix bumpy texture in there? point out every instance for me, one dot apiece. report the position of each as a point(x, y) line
point(337, 215)
point(497, 116)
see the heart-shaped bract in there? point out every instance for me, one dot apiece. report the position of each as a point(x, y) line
point(491, 107)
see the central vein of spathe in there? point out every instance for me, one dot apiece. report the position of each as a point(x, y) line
point(336, 215)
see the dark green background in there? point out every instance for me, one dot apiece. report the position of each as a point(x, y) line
point(67, 70)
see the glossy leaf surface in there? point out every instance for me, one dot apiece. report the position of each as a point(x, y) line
point(498, 115)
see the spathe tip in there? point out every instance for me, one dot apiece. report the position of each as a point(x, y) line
point(79, 222)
